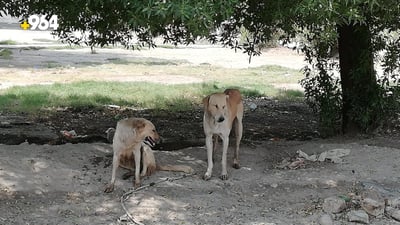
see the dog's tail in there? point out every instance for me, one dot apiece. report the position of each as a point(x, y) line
point(175, 168)
point(110, 134)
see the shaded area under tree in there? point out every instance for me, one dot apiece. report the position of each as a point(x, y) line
point(272, 119)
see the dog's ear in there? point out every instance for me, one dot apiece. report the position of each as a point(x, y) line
point(234, 95)
point(139, 125)
point(206, 101)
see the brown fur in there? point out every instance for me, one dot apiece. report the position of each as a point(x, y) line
point(221, 111)
point(127, 161)
point(149, 162)
point(128, 143)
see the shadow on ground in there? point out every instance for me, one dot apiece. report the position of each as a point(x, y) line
point(271, 120)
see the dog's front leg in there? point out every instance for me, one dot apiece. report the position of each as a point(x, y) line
point(239, 133)
point(209, 146)
point(225, 143)
point(144, 163)
point(215, 145)
point(137, 156)
point(115, 164)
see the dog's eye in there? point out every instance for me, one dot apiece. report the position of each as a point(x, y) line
point(223, 107)
point(216, 106)
point(154, 131)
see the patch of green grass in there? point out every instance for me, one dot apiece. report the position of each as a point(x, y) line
point(32, 48)
point(290, 95)
point(88, 63)
point(9, 100)
point(61, 47)
point(253, 82)
point(146, 61)
point(52, 64)
point(20, 100)
point(139, 95)
point(8, 42)
point(167, 46)
point(5, 54)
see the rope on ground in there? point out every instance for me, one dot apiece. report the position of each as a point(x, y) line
point(127, 194)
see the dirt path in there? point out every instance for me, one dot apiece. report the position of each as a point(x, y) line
point(40, 57)
point(64, 185)
point(32, 42)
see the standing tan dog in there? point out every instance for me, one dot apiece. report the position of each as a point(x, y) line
point(221, 111)
point(130, 134)
point(127, 144)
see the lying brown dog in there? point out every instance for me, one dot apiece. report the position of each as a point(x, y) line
point(132, 144)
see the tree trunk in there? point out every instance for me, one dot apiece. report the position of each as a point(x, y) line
point(359, 87)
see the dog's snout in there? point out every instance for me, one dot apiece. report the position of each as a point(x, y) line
point(221, 119)
point(159, 140)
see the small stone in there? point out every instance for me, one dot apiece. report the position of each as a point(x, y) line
point(325, 219)
point(395, 203)
point(333, 205)
point(358, 216)
point(373, 207)
point(253, 106)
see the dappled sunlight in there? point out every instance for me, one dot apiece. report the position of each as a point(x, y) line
point(148, 207)
point(64, 184)
point(61, 184)
point(182, 157)
point(103, 148)
point(35, 174)
point(44, 170)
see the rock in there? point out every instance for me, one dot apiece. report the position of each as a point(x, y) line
point(372, 194)
point(274, 185)
point(333, 205)
point(325, 219)
point(394, 202)
point(304, 155)
point(252, 106)
point(374, 186)
point(358, 216)
point(334, 155)
point(395, 214)
point(373, 207)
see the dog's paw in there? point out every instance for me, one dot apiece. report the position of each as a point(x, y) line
point(109, 188)
point(236, 165)
point(224, 176)
point(206, 176)
point(137, 185)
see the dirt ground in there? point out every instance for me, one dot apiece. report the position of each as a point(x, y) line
point(64, 183)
